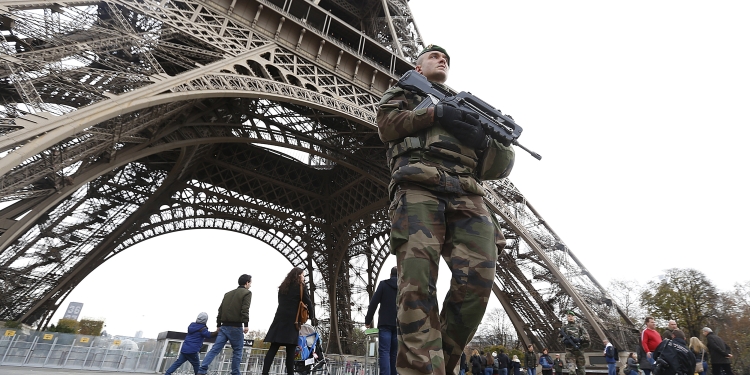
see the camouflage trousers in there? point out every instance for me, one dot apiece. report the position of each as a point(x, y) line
point(573, 355)
point(425, 227)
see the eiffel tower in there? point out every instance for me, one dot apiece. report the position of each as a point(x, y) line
point(122, 120)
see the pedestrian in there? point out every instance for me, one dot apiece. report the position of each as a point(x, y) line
point(196, 333)
point(232, 320)
point(719, 352)
point(463, 367)
point(530, 360)
point(546, 361)
point(503, 363)
point(671, 326)
point(650, 339)
point(385, 297)
point(609, 357)
point(699, 351)
point(674, 356)
point(574, 352)
point(516, 365)
point(476, 363)
point(489, 368)
point(438, 155)
point(283, 331)
point(557, 365)
point(631, 365)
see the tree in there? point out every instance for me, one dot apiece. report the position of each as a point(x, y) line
point(65, 326)
point(497, 329)
point(732, 323)
point(685, 295)
point(627, 295)
point(90, 327)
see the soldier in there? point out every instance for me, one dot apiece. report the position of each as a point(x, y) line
point(578, 332)
point(438, 156)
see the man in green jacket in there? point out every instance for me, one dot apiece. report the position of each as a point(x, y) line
point(438, 157)
point(232, 320)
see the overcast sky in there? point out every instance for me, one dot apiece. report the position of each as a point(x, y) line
point(639, 109)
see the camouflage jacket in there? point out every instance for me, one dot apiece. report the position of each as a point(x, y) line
point(578, 331)
point(422, 152)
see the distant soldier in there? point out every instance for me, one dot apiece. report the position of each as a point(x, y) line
point(580, 337)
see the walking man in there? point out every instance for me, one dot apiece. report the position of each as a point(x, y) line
point(650, 339)
point(720, 353)
point(232, 320)
point(578, 332)
point(437, 156)
point(385, 296)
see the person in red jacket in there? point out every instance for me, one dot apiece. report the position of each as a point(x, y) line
point(650, 339)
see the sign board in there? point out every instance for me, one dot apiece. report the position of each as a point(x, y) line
point(47, 336)
point(117, 342)
point(10, 332)
point(74, 309)
point(84, 339)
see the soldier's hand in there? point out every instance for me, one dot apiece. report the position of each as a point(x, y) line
point(465, 126)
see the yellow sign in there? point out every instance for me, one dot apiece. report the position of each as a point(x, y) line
point(9, 332)
point(117, 342)
point(47, 336)
point(84, 339)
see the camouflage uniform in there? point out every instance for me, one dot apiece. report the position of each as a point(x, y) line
point(437, 211)
point(578, 331)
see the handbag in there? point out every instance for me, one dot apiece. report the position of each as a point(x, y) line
point(699, 365)
point(302, 313)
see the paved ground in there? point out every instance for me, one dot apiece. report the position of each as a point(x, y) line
point(24, 370)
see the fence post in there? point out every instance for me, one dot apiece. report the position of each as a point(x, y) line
point(50, 351)
point(10, 344)
point(104, 358)
point(65, 363)
point(30, 351)
point(138, 361)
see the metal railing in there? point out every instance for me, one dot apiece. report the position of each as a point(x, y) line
point(70, 351)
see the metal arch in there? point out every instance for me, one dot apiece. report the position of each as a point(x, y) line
point(101, 169)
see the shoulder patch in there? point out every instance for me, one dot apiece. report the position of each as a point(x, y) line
point(390, 93)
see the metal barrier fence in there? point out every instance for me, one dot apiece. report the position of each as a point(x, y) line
point(62, 350)
point(69, 351)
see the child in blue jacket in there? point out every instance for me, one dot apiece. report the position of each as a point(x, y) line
point(196, 333)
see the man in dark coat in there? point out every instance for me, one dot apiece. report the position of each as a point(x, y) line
point(385, 296)
point(283, 332)
point(675, 353)
point(234, 314)
point(720, 353)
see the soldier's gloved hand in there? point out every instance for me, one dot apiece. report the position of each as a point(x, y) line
point(465, 126)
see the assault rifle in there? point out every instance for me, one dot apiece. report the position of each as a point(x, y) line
point(497, 125)
point(569, 340)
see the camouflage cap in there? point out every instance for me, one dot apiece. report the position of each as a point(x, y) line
point(433, 47)
point(571, 312)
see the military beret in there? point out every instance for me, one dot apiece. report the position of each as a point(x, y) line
point(433, 47)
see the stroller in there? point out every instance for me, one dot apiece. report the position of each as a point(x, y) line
point(308, 357)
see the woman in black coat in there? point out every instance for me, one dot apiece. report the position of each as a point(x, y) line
point(283, 332)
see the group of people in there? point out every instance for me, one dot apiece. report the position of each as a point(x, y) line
point(672, 350)
point(491, 363)
point(232, 325)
